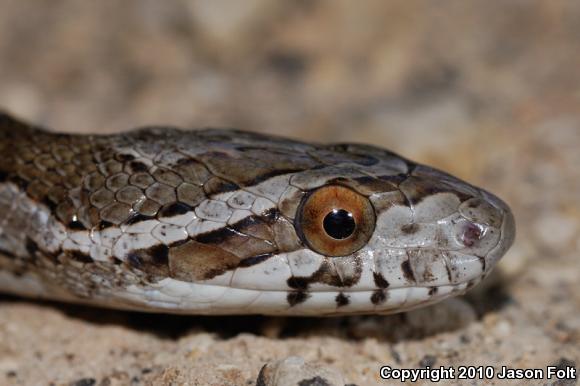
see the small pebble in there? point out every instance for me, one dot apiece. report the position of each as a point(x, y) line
point(294, 371)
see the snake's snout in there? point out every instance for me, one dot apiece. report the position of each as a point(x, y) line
point(461, 227)
point(507, 229)
point(489, 228)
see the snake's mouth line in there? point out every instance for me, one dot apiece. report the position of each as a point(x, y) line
point(223, 300)
point(329, 289)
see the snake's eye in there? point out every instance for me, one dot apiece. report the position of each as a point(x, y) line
point(335, 220)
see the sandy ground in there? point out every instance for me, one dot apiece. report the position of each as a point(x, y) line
point(490, 93)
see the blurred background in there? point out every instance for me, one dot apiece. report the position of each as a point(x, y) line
point(489, 91)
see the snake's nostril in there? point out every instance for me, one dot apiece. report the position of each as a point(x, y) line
point(471, 234)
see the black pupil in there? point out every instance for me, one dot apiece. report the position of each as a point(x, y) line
point(339, 224)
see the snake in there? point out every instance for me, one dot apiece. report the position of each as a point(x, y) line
point(223, 221)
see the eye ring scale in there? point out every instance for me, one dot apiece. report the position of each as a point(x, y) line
point(334, 220)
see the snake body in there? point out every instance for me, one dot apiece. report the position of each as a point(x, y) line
point(230, 222)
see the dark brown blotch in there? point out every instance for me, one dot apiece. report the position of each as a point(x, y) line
point(297, 297)
point(31, 246)
point(216, 237)
point(270, 215)
point(483, 262)
point(253, 260)
point(471, 284)
point(154, 260)
point(159, 254)
point(134, 260)
point(418, 188)
point(79, 256)
point(326, 274)
point(407, 271)
point(380, 280)
point(125, 157)
point(341, 300)
point(194, 261)
point(175, 209)
point(18, 181)
point(255, 226)
point(137, 217)
point(353, 154)
point(104, 225)
point(270, 174)
point(137, 167)
point(76, 226)
point(395, 179)
point(49, 203)
point(251, 240)
point(216, 185)
point(410, 229)
point(116, 261)
point(298, 282)
point(368, 185)
point(8, 254)
point(378, 297)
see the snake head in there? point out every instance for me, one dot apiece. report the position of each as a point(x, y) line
point(223, 222)
point(360, 230)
